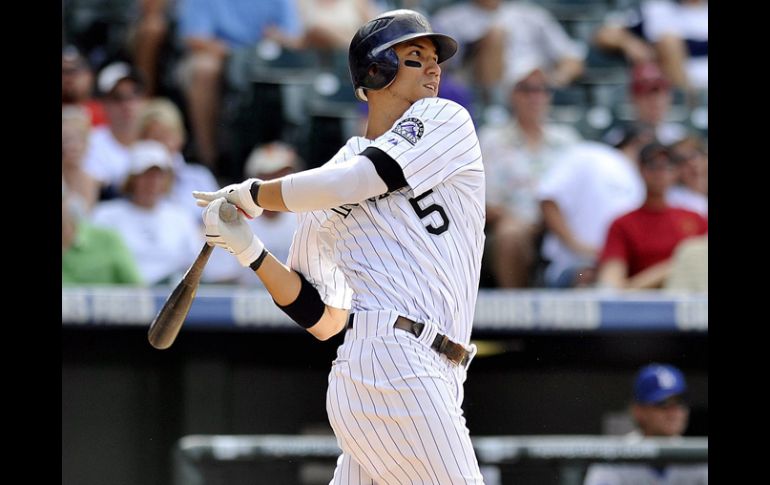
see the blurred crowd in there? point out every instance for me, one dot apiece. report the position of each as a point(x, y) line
point(592, 117)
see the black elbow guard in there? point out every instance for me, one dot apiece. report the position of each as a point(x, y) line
point(308, 308)
point(388, 169)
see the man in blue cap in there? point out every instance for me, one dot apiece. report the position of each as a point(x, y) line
point(659, 410)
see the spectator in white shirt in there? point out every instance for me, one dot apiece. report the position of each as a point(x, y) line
point(160, 234)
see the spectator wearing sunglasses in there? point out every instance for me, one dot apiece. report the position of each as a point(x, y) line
point(107, 158)
point(516, 155)
point(659, 409)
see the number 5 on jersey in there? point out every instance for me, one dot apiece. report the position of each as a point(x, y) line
point(423, 212)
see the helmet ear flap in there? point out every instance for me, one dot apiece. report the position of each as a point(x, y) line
point(372, 71)
point(382, 70)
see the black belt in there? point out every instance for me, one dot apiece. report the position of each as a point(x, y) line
point(441, 344)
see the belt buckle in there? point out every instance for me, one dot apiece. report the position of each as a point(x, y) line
point(461, 359)
point(457, 357)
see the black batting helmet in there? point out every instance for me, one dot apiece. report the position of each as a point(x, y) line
point(372, 61)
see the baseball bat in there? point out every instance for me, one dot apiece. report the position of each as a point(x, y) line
point(165, 327)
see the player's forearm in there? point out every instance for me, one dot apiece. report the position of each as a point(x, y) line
point(286, 287)
point(323, 188)
point(270, 196)
point(282, 282)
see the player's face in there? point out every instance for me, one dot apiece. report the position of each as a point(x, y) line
point(668, 418)
point(418, 74)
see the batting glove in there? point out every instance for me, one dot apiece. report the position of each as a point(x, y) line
point(236, 237)
point(237, 194)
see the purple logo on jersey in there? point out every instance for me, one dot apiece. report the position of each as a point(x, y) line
point(410, 129)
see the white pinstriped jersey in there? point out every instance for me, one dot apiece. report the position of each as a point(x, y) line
point(416, 251)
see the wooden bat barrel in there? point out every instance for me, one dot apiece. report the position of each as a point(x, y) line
point(167, 323)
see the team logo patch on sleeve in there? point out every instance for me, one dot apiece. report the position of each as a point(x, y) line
point(410, 129)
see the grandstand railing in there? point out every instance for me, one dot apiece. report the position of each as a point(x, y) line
point(571, 453)
point(253, 309)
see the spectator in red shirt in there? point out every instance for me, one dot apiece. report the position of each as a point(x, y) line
point(637, 251)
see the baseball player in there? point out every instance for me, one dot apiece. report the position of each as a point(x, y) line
point(388, 248)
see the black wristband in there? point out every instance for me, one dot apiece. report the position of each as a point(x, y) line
point(308, 308)
point(258, 262)
point(254, 191)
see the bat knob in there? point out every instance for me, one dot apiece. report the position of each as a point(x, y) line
point(228, 212)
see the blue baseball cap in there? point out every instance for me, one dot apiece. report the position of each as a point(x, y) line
point(657, 382)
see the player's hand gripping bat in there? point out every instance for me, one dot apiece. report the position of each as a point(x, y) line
point(165, 327)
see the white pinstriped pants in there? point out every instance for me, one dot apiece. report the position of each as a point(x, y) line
point(394, 404)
